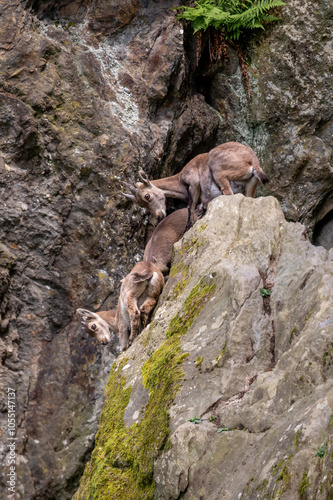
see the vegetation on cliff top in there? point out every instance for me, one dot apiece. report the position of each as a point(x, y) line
point(232, 16)
point(226, 21)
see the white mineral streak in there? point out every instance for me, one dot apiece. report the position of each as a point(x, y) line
point(110, 56)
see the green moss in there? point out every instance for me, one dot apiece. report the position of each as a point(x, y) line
point(122, 463)
point(280, 470)
point(191, 245)
point(193, 305)
point(103, 475)
point(248, 485)
point(308, 316)
point(277, 467)
point(285, 477)
point(220, 356)
point(328, 355)
point(296, 440)
point(180, 286)
point(198, 362)
point(166, 357)
point(175, 269)
point(252, 491)
point(262, 486)
point(303, 486)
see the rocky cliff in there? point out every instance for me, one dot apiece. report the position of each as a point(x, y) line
point(228, 394)
point(91, 91)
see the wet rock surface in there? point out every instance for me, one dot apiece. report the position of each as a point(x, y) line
point(90, 92)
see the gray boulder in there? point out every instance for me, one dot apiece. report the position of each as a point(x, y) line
point(228, 393)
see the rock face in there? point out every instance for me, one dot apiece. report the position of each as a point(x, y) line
point(90, 92)
point(288, 121)
point(79, 111)
point(255, 372)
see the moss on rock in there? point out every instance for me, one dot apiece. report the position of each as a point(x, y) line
point(303, 487)
point(191, 245)
point(179, 287)
point(193, 305)
point(198, 362)
point(122, 463)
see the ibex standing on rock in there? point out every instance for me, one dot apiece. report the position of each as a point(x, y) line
point(205, 177)
point(139, 294)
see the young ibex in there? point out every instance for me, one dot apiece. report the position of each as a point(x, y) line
point(165, 235)
point(206, 176)
point(139, 294)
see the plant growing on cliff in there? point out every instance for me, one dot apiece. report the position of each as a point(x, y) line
point(265, 292)
point(232, 16)
point(195, 420)
point(226, 21)
point(321, 451)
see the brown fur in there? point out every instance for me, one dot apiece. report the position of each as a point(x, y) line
point(139, 294)
point(165, 235)
point(226, 169)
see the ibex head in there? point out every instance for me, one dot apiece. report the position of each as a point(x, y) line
point(95, 326)
point(148, 196)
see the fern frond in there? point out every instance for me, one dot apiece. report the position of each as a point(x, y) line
point(232, 16)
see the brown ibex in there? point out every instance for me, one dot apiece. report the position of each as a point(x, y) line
point(139, 294)
point(205, 177)
point(165, 235)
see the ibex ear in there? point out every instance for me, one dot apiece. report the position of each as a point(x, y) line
point(87, 314)
point(143, 177)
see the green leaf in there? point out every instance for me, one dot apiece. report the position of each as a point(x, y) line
point(321, 451)
point(232, 16)
point(223, 429)
point(265, 292)
point(195, 420)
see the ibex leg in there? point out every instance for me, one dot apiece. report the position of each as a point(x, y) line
point(194, 193)
point(146, 309)
point(123, 333)
point(223, 184)
point(134, 315)
point(251, 186)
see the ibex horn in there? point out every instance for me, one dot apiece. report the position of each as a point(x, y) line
point(143, 177)
point(87, 314)
point(130, 187)
point(129, 196)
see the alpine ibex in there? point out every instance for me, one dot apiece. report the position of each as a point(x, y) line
point(139, 294)
point(205, 177)
point(165, 235)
